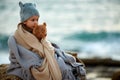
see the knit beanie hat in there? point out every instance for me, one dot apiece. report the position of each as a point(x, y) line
point(27, 10)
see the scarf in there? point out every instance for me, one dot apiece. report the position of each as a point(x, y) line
point(49, 70)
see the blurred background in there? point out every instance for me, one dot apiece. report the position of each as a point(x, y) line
point(89, 27)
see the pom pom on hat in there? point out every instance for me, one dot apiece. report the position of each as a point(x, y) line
point(27, 10)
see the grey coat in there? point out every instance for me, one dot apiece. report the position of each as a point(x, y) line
point(21, 60)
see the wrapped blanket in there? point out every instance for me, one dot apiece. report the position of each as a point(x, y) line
point(22, 60)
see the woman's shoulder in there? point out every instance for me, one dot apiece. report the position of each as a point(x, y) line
point(11, 40)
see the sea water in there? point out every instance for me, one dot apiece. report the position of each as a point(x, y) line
point(89, 27)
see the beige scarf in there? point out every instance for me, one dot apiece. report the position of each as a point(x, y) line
point(49, 69)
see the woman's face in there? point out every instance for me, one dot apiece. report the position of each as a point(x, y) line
point(31, 22)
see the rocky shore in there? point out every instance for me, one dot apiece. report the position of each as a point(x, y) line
point(100, 69)
point(97, 69)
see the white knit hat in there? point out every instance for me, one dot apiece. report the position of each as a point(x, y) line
point(27, 10)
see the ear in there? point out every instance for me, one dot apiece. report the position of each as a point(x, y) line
point(20, 4)
point(44, 23)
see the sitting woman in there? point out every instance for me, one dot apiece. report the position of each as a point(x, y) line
point(33, 57)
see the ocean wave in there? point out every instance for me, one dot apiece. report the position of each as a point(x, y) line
point(99, 36)
point(3, 42)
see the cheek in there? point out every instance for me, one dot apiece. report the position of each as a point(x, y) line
point(30, 25)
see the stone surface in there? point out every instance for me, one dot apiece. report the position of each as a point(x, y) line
point(4, 76)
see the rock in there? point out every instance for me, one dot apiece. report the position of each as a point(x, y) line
point(96, 61)
point(4, 76)
point(102, 68)
point(116, 76)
